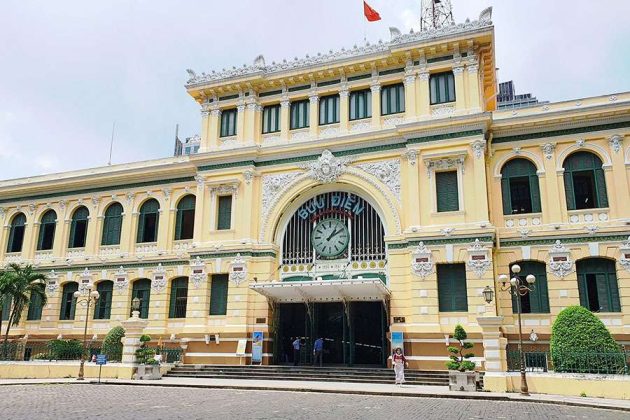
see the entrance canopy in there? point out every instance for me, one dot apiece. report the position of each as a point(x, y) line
point(324, 291)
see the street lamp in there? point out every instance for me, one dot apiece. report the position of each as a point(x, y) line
point(518, 288)
point(86, 299)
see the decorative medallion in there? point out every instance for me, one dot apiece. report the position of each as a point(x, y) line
point(159, 278)
point(560, 263)
point(121, 279)
point(615, 142)
point(85, 280)
point(548, 149)
point(388, 172)
point(197, 272)
point(624, 249)
point(238, 270)
point(479, 258)
point(52, 283)
point(422, 261)
point(327, 168)
point(479, 147)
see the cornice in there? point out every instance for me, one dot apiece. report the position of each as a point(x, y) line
point(569, 239)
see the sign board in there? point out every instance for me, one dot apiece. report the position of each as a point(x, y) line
point(101, 359)
point(240, 348)
point(257, 346)
point(397, 341)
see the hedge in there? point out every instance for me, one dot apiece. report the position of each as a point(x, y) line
point(112, 344)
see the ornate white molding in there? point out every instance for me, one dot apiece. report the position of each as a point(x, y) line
point(444, 163)
point(393, 121)
point(615, 142)
point(479, 258)
point(238, 270)
point(411, 155)
point(225, 188)
point(197, 272)
point(548, 149)
point(159, 278)
point(248, 175)
point(327, 168)
point(422, 261)
point(479, 148)
point(442, 110)
point(388, 172)
point(52, 283)
point(560, 263)
point(121, 279)
point(272, 185)
point(329, 132)
point(361, 126)
point(624, 250)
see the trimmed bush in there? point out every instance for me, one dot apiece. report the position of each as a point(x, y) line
point(65, 349)
point(458, 357)
point(581, 343)
point(112, 344)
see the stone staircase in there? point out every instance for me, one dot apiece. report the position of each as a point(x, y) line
point(308, 373)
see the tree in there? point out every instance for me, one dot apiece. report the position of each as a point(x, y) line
point(112, 345)
point(458, 357)
point(21, 285)
point(581, 343)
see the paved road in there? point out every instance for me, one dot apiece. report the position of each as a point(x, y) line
point(85, 401)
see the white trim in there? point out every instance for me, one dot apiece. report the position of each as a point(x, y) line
point(599, 151)
point(199, 354)
point(534, 158)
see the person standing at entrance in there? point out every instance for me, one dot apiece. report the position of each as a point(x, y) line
point(296, 351)
point(318, 349)
point(400, 362)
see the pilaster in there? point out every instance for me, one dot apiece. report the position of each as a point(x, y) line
point(213, 129)
point(375, 87)
point(313, 114)
point(554, 202)
point(410, 91)
point(619, 184)
point(344, 108)
point(205, 128)
point(240, 121)
point(460, 89)
point(474, 89)
point(284, 117)
point(200, 210)
point(423, 94)
point(494, 345)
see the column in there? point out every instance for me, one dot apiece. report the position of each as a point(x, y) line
point(460, 90)
point(411, 200)
point(164, 226)
point(240, 121)
point(205, 128)
point(284, 117)
point(423, 94)
point(474, 91)
point(344, 108)
point(127, 233)
point(30, 238)
point(134, 328)
point(553, 200)
point(375, 87)
point(480, 208)
point(494, 352)
point(313, 114)
point(199, 209)
point(213, 129)
point(410, 92)
point(250, 134)
point(91, 237)
point(59, 244)
point(616, 179)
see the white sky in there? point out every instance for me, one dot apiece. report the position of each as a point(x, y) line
point(69, 68)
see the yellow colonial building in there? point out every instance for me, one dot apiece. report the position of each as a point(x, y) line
point(349, 195)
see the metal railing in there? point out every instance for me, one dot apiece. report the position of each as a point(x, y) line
point(608, 363)
point(169, 354)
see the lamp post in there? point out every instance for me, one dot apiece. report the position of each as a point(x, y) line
point(518, 288)
point(86, 299)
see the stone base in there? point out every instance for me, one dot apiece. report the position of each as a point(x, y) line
point(462, 381)
point(148, 372)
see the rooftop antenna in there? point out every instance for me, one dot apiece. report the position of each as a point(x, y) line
point(435, 14)
point(111, 144)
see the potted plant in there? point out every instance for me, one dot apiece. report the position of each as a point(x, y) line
point(148, 366)
point(461, 375)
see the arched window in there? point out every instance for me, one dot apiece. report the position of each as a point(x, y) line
point(179, 298)
point(142, 290)
point(47, 226)
point(78, 228)
point(112, 224)
point(148, 221)
point(103, 307)
point(16, 233)
point(185, 223)
point(34, 308)
point(584, 182)
point(68, 302)
point(519, 187)
point(536, 301)
point(597, 284)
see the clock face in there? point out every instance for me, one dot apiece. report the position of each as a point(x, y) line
point(330, 237)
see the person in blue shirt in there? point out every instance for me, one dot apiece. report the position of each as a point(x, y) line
point(296, 351)
point(318, 349)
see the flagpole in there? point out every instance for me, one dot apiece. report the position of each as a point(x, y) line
point(111, 144)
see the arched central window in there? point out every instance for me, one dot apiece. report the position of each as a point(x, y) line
point(148, 221)
point(584, 182)
point(597, 284)
point(179, 298)
point(46, 237)
point(519, 187)
point(16, 233)
point(103, 307)
point(112, 224)
point(185, 223)
point(536, 301)
point(78, 228)
point(68, 301)
point(142, 290)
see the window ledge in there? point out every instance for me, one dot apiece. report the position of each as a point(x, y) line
point(223, 230)
point(448, 213)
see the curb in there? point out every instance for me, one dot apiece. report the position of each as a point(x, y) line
point(484, 396)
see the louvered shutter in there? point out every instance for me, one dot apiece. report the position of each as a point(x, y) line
point(505, 195)
point(603, 294)
point(225, 212)
point(172, 300)
point(568, 190)
point(218, 294)
point(447, 192)
point(582, 290)
point(534, 191)
point(452, 294)
point(600, 186)
point(613, 290)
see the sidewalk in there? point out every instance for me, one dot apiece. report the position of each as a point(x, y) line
point(341, 388)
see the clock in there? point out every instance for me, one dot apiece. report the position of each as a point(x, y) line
point(330, 237)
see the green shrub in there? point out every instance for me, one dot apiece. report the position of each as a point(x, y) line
point(458, 357)
point(145, 355)
point(65, 349)
point(144, 338)
point(581, 343)
point(112, 344)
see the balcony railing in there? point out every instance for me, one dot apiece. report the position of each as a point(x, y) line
point(515, 221)
point(589, 216)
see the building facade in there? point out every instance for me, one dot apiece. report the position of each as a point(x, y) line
point(349, 195)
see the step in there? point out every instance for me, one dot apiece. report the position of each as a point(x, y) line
point(317, 379)
point(268, 375)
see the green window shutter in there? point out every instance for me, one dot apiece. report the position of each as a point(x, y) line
point(452, 292)
point(225, 213)
point(228, 123)
point(603, 292)
point(505, 195)
point(600, 188)
point(568, 190)
point(16, 233)
point(534, 190)
point(34, 308)
point(142, 290)
point(172, 300)
point(112, 225)
point(447, 191)
point(103, 307)
point(360, 104)
point(6, 308)
point(218, 294)
point(613, 293)
point(540, 302)
point(582, 290)
point(392, 99)
point(442, 88)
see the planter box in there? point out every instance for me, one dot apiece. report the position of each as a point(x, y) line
point(462, 381)
point(148, 372)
